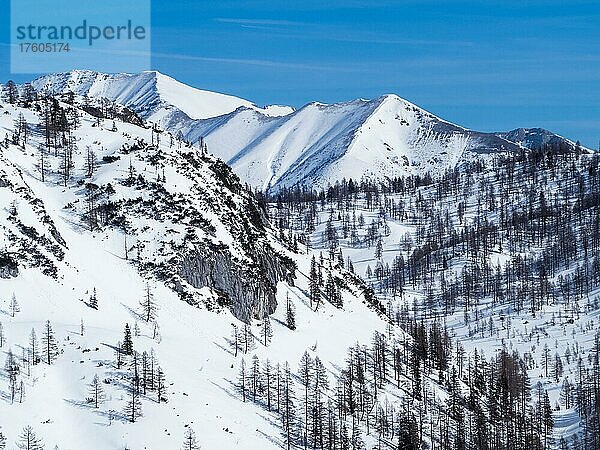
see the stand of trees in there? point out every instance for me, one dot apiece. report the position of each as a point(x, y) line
point(488, 404)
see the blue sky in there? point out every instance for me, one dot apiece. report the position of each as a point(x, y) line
point(486, 65)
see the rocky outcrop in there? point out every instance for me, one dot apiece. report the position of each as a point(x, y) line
point(248, 288)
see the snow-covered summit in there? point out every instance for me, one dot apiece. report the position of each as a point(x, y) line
point(316, 145)
point(320, 144)
point(151, 94)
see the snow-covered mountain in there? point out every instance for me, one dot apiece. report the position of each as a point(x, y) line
point(321, 144)
point(151, 94)
point(273, 147)
point(113, 215)
point(145, 292)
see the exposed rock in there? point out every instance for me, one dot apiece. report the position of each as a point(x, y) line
point(247, 288)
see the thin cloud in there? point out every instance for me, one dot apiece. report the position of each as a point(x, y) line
point(274, 22)
point(331, 33)
point(251, 62)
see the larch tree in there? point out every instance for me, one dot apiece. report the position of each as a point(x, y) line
point(313, 285)
point(242, 379)
point(93, 300)
point(29, 441)
point(267, 376)
point(42, 165)
point(248, 343)
point(160, 385)
point(49, 347)
point(288, 413)
point(133, 408)
point(235, 340)
point(148, 305)
point(266, 331)
point(255, 378)
point(305, 374)
point(12, 370)
point(189, 440)
point(34, 348)
point(14, 306)
point(96, 391)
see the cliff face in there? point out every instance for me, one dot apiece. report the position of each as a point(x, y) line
point(216, 235)
point(209, 231)
point(243, 273)
point(248, 290)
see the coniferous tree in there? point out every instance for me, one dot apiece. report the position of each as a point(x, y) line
point(267, 376)
point(11, 92)
point(236, 340)
point(305, 372)
point(96, 391)
point(29, 94)
point(49, 346)
point(290, 313)
point(12, 369)
point(255, 378)
point(149, 307)
point(90, 161)
point(133, 408)
point(247, 337)
point(119, 354)
point(189, 441)
point(379, 248)
point(288, 414)
point(548, 420)
point(160, 385)
point(150, 375)
point(94, 300)
point(266, 331)
point(317, 395)
point(33, 348)
point(42, 164)
point(29, 441)
point(242, 378)
point(127, 346)
point(14, 306)
point(313, 287)
point(21, 130)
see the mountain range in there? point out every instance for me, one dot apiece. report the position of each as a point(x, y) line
point(318, 144)
point(149, 296)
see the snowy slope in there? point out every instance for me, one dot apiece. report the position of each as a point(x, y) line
point(151, 94)
point(56, 261)
point(321, 144)
point(318, 144)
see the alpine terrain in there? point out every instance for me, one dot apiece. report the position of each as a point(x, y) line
point(186, 269)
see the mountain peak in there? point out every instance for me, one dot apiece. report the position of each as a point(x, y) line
point(318, 144)
point(149, 93)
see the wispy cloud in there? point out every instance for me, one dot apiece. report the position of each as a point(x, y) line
point(327, 32)
point(253, 62)
point(273, 22)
